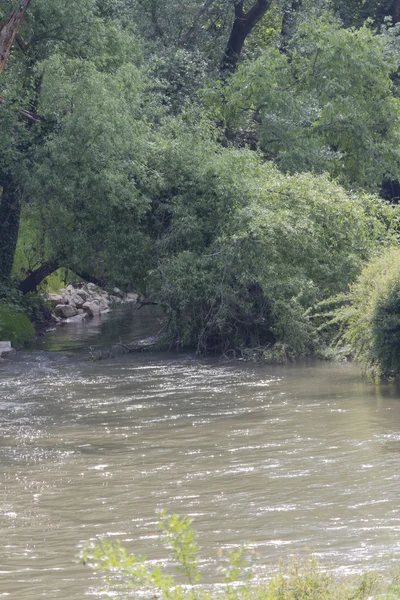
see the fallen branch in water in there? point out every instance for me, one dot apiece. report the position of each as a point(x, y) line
point(140, 345)
point(147, 303)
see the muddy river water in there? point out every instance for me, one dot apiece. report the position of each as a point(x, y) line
point(291, 459)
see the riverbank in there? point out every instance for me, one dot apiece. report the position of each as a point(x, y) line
point(24, 317)
point(79, 301)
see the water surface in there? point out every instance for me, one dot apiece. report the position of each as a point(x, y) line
point(289, 459)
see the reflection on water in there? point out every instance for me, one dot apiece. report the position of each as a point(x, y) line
point(290, 459)
point(124, 324)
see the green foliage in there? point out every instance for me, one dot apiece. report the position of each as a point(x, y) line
point(370, 316)
point(123, 176)
point(14, 325)
point(181, 540)
point(327, 105)
point(300, 580)
point(83, 177)
point(80, 78)
point(358, 11)
point(247, 250)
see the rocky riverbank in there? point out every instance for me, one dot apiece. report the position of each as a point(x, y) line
point(82, 300)
point(75, 303)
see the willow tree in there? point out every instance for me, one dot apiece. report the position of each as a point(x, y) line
point(54, 32)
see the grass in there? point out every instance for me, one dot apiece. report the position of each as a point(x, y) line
point(15, 327)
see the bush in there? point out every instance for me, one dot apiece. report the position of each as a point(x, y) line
point(249, 250)
point(301, 580)
point(370, 319)
point(15, 325)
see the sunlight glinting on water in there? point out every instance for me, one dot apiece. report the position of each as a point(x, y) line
point(289, 459)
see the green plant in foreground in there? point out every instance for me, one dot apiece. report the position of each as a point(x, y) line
point(301, 580)
point(14, 325)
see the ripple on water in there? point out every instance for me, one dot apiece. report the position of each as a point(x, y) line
point(270, 455)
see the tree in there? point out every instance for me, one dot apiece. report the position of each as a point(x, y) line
point(289, 22)
point(368, 316)
point(216, 28)
point(244, 250)
point(243, 24)
point(10, 206)
point(57, 31)
point(83, 178)
point(356, 12)
point(328, 105)
point(9, 29)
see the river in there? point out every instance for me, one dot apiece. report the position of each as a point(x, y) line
point(290, 459)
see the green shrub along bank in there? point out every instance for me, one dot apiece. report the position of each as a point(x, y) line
point(239, 578)
point(370, 316)
point(282, 243)
point(15, 327)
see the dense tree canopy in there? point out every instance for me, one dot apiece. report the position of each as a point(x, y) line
point(326, 105)
point(218, 155)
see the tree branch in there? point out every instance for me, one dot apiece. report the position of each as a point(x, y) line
point(28, 114)
point(9, 29)
point(35, 278)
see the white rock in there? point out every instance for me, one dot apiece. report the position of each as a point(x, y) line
point(77, 301)
point(131, 297)
point(5, 347)
point(103, 304)
point(92, 308)
point(54, 298)
point(83, 294)
point(77, 318)
point(65, 311)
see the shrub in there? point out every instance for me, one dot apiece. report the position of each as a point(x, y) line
point(370, 319)
point(15, 326)
point(248, 250)
point(301, 580)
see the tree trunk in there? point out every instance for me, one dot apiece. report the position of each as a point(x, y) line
point(396, 11)
point(289, 23)
point(9, 29)
point(10, 212)
point(243, 25)
point(30, 283)
point(35, 278)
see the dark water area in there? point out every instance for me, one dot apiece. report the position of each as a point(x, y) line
point(123, 325)
point(290, 459)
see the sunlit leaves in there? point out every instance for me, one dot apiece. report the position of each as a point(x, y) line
point(327, 105)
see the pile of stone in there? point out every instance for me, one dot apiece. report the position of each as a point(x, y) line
point(81, 300)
